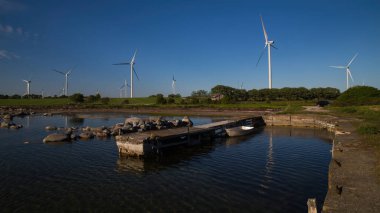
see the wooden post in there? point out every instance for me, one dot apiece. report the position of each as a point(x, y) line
point(312, 205)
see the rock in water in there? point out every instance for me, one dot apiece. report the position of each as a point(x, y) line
point(50, 128)
point(4, 124)
point(86, 135)
point(56, 137)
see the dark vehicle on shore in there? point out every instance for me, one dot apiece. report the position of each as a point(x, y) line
point(322, 103)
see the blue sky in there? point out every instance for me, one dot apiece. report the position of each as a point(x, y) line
point(201, 42)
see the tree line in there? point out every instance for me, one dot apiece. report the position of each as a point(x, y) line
point(286, 93)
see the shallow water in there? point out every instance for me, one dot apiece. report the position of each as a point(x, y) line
point(276, 170)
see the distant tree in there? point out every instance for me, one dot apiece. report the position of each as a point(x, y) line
point(199, 93)
point(206, 100)
point(160, 99)
point(98, 97)
point(194, 100)
point(331, 93)
point(91, 99)
point(253, 94)
point(227, 100)
point(4, 96)
point(105, 100)
point(224, 90)
point(171, 100)
point(15, 96)
point(182, 101)
point(77, 98)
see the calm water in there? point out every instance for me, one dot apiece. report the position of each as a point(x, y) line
point(273, 171)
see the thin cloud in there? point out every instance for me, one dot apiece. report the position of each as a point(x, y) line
point(6, 55)
point(6, 28)
point(7, 6)
point(12, 32)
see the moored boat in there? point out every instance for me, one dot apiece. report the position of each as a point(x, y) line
point(240, 130)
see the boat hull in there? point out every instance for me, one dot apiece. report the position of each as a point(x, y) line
point(240, 131)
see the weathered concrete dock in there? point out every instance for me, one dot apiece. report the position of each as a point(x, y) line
point(150, 142)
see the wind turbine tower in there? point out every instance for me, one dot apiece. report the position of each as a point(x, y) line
point(66, 74)
point(173, 85)
point(268, 44)
point(348, 72)
point(27, 86)
point(131, 64)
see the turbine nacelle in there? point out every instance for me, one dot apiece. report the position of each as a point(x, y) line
point(348, 72)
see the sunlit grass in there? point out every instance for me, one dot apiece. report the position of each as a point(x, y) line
point(35, 102)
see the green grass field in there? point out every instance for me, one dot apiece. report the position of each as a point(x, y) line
point(288, 106)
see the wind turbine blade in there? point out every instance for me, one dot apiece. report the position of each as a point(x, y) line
point(122, 86)
point(265, 32)
point(127, 63)
point(128, 85)
point(134, 56)
point(339, 67)
point(70, 70)
point(274, 46)
point(352, 59)
point(261, 55)
point(349, 73)
point(58, 71)
point(25, 81)
point(136, 73)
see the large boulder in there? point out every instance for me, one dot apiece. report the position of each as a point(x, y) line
point(86, 135)
point(56, 137)
point(187, 121)
point(135, 121)
point(4, 124)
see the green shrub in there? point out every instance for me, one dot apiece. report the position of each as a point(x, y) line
point(77, 98)
point(358, 96)
point(105, 100)
point(160, 99)
point(367, 129)
point(126, 101)
point(227, 100)
point(170, 100)
point(348, 110)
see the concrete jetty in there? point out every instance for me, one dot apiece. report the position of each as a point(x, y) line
point(151, 142)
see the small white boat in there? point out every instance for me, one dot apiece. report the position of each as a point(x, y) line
point(240, 130)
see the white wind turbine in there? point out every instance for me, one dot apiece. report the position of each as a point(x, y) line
point(125, 86)
point(348, 72)
point(131, 63)
point(268, 44)
point(173, 85)
point(66, 74)
point(27, 86)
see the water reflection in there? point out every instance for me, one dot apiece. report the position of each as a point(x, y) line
point(76, 121)
point(166, 159)
point(275, 170)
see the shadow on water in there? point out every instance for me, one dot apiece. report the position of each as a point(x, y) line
point(165, 159)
